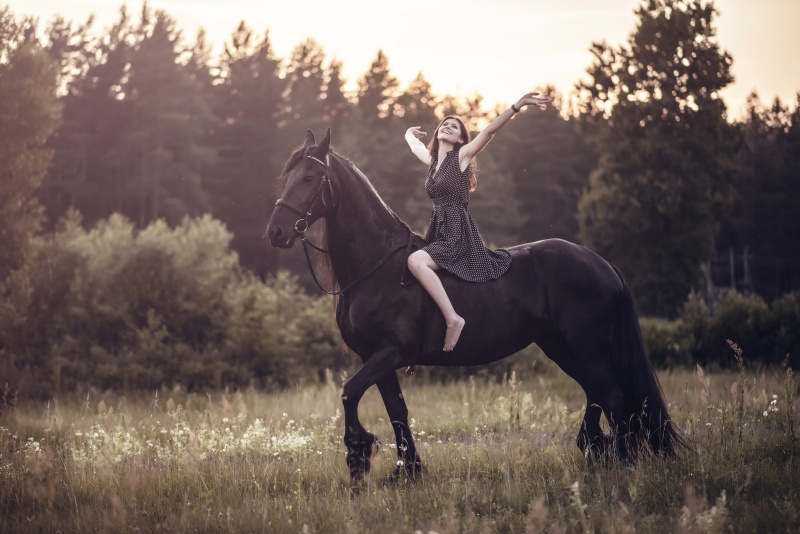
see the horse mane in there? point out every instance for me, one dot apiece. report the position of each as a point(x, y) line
point(361, 175)
point(323, 263)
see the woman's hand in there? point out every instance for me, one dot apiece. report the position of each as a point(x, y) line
point(416, 132)
point(533, 99)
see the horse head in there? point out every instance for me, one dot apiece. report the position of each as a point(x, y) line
point(307, 192)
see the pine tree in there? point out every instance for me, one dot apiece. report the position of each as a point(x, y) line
point(165, 143)
point(377, 145)
point(376, 91)
point(248, 144)
point(29, 112)
point(304, 95)
point(337, 106)
point(764, 221)
point(86, 174)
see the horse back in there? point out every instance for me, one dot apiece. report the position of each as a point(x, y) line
point(552, 285)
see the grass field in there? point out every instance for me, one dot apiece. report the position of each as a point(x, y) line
point(499, 457)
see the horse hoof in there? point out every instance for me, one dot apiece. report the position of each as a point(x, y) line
point(404, 472)
point(359, 455)
point(359, 464)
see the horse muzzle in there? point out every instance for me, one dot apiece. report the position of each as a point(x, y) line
point(280, 237)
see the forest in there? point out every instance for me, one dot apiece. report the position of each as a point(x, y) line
point(138, 172)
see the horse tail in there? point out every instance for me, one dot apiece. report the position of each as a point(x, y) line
point(645, 409)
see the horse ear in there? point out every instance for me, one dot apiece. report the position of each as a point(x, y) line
point(324, 146)
point(310, 141)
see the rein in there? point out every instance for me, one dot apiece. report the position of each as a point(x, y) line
point(302, 225)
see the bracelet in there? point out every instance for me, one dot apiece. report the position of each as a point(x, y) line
point(514, 108)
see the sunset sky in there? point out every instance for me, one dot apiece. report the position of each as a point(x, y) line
point(499, 48)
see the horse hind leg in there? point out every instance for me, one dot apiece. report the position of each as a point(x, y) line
point(590, 436)
point(603, 395)
point(587, 364)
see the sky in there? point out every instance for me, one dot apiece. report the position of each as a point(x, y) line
point(499, 49)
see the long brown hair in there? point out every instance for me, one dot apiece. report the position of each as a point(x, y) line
point(433, 147)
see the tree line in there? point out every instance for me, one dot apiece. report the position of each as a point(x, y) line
point(154, 129)
point(641, 163)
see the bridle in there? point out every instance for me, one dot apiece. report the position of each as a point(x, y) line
point(320, 190)
point(301, 225)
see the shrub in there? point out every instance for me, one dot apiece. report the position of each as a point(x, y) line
point(738, 317)
point(663, 339)
point(114, 307)
point(765, 333)
point(783, 328)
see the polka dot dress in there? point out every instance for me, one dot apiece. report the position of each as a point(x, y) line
point(453, 238)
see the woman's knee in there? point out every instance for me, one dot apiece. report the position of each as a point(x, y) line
point(413, 262)
point(417, 261)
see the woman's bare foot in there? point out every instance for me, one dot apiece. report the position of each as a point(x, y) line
point(454, 329)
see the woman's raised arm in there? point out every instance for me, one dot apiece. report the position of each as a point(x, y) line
point(472, 149)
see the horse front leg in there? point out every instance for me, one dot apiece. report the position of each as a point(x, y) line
point(409, 463)
point(361, 445)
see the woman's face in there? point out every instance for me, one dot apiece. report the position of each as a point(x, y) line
point(449, 131)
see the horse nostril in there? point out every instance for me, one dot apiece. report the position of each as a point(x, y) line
point(275, 233)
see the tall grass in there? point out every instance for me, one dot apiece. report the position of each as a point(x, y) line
point(500, 457)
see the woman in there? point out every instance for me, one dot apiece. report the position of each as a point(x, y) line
point(454, 243)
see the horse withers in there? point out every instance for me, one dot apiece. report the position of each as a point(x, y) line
point(565, 298)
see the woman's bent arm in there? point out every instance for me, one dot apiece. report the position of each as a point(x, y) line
point(418, 148)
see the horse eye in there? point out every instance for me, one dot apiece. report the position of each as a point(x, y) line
point(308, 178)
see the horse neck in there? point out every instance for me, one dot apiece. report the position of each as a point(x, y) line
point(361, 230)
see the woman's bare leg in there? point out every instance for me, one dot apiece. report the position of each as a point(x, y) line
point(422, 266)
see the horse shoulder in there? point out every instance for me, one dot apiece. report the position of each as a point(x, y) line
point(377, 316)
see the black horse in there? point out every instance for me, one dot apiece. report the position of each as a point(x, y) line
point(565, 298)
